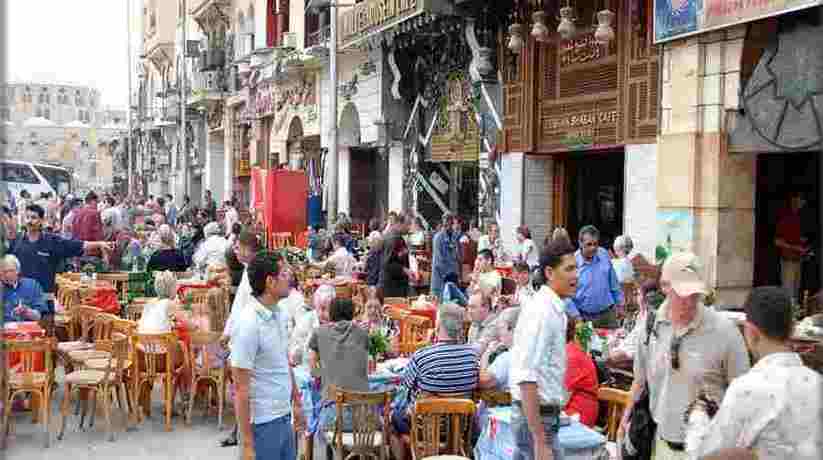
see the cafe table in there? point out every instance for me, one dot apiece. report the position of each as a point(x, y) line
point(430, 311)
point(497, 442)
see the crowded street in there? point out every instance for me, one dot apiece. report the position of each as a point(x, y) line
point(412, 230)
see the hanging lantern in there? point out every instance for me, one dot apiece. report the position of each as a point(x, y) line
point(566, 29)
point(515, 38)
point(539, 30)
point(604, 32)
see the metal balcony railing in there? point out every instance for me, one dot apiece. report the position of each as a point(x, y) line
point(318, 37)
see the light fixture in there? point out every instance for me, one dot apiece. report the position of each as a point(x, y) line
point(604, 32)
point(515, 38)
point(539, 30)
point(566, 29)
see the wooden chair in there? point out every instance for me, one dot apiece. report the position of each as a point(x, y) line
point(282, 240)
point(135, 311)
point(415, 333)
point(493, 398)
point(183, 275)
point(617, 401)
point(344, 291)
point(433, 416)
point(120, 282)
point(389, 301)
point(101, 335)
point(204, 367)
point(28, 377)
point(107, 382)
point(369, 435)
point(156, 362)
point(197, 295)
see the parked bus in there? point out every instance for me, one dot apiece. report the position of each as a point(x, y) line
point(36, 178)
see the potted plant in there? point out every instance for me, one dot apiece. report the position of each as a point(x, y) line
point(378, 346)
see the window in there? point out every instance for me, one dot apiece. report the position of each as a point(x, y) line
point(59, 179)
point(47, 113)
point(19, 173)
point(38, 112)
point(43, 98)
point(78, 99)
point(27, 98)
point(5, 114)
point(62, 97)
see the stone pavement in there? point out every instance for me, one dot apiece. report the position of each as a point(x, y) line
point(200, 441)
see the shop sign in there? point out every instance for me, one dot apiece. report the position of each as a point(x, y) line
point(680, 18)
point(373, 16)
point(581, 50)
point(580, 130)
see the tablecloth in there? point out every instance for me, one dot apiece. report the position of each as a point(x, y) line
point(497, 443)
point(24, 330)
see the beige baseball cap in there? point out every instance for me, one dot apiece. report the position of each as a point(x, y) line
point(681, 270)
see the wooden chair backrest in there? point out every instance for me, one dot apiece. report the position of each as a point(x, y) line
point(116, 362)
point(103, 326)
point(369, 418)
point(135, 311)
point(183, 275)
point(616, 401)
point(27, 371)
point(197, 295)
point(433, 416)
point(282, 240)
point(389, 301)
point(200, 345)
point(415, 333)
point(120, 282)
point(493, 398)
point(343, 291)
point(153, 346)
point(84, 317)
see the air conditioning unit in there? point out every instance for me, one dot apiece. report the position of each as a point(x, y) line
point(289, 40)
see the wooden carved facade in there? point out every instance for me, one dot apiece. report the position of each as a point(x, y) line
point(569, 95)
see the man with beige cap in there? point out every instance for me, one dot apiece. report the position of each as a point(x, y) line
point(691, 349)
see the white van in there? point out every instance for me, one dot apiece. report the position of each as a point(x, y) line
point(36, 178)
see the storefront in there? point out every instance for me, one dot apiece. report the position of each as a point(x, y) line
point(580, 127)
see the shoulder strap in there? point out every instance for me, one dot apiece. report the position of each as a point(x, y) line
point(650, 319)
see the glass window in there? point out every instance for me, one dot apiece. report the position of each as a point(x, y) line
point(59, 179)
point(19, 173)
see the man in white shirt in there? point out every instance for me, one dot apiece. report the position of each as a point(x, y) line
point(231, 217)
point(775, 411)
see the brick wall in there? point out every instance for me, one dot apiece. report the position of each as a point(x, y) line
point(537, 196)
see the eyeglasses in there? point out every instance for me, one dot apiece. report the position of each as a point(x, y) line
point(675, 352)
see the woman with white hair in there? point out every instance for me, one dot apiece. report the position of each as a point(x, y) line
point(167, 257)
point(623, 268)
point(213, 249)
point(307, 319)
point(155, 317)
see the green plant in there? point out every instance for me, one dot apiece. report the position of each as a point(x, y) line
point(378, 344)
point(583, 335)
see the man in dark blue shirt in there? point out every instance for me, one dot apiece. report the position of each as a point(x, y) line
point(40, 253)
point(22, 297)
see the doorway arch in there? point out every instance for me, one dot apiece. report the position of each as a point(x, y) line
point(294, 144)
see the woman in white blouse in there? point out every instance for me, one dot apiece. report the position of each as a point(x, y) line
point(213, 249)
point(623, 267)
point(525, 250)
point(155, 317)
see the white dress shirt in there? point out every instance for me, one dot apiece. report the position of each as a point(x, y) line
point(343, 262)
point(538, 353)
point(213, 250)
point(155, 318)
point(242, 299)
point(775, 409)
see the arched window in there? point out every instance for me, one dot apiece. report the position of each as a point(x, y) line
point(46, 113)
point(78, 98)
point(38, 112)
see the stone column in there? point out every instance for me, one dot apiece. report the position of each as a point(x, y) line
point(228, 157)
point(343, 180)
point(701, 189)
point(511, 196)
point(396, 176)
point(213, 169)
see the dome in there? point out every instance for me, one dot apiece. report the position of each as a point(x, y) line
point(38, 122)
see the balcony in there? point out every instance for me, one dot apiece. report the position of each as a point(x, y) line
point(211, 59)
point(207, 87)
point(318, 37)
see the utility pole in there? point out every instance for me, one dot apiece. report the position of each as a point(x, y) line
point(184, 163)
point(331, 205)
point(129, 161)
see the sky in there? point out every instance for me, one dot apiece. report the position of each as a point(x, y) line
point(77, 41)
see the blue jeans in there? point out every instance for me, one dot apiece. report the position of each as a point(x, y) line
point(274, 440)
point(523, 441)
point(452, 293)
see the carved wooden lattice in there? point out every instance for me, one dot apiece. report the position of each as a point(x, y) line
point(577, 94)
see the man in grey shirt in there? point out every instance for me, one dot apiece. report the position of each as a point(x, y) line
point(342, 348)
point(692, 349)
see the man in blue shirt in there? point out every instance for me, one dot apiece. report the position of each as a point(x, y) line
point(266, 396)
point(446, 255)
point(22, 297)
point(41, 253)
point(598, 291)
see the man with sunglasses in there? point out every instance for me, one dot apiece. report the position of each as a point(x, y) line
point(691, 349)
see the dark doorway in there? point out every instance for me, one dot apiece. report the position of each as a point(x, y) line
point(368, 186)
point(595, 193)
point(777, 176)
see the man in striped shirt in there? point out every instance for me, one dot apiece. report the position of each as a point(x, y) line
point(447, 368)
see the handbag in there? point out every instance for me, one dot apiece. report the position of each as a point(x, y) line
point(642, 427)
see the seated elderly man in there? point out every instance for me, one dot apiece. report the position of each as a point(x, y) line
point(23, 298)
point(306, 319)
point(446, 368)
point(482, 314)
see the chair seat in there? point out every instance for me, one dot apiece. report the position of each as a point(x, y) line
point(445, 457)
point(102, 363)
point(66, 347)
point(88, 377)
point(348, 439)
point(85, 355)
point(16, 379)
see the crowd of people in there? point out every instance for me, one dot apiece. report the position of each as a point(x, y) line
point(522, 338)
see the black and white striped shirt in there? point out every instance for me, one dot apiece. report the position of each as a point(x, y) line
point(442, 369)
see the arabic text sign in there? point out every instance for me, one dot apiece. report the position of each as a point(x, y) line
point(679, 18)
